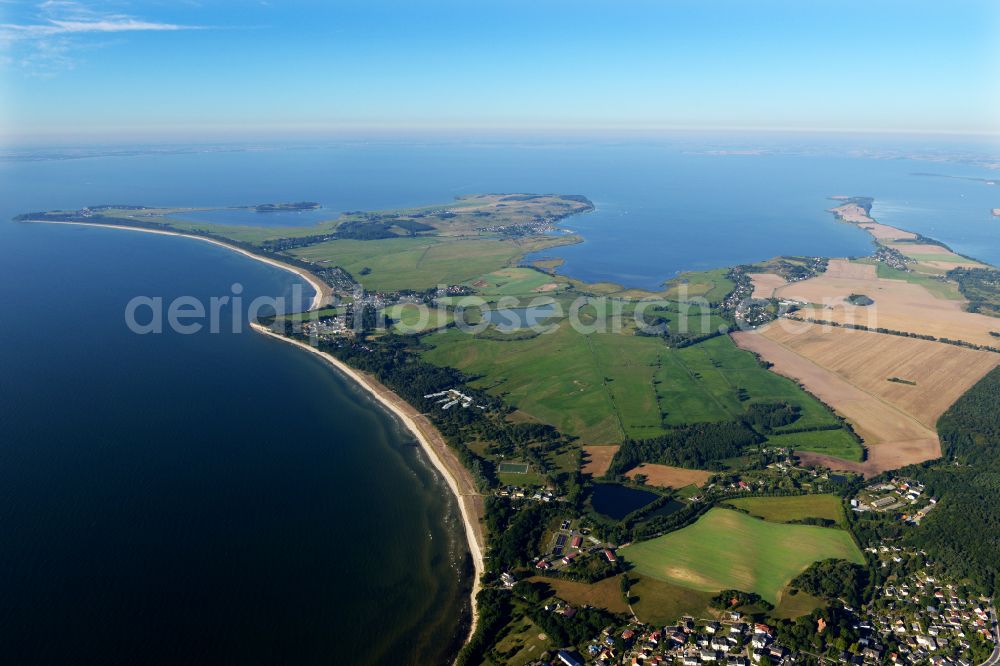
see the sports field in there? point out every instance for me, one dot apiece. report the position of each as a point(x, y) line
point(513, 468)
point(726, 549)
point(787, 509)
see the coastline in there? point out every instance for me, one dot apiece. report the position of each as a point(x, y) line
point(322, 292)
point(444, 460)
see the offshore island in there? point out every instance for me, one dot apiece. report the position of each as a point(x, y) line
point(717, 478)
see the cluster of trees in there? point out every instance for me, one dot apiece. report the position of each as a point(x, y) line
point(981, 286)
point(514, 532)
point(860, 299)
point(834, 579)
point(700, 446)
point(736, 598)
point(494, 613)
point(377, 228)
point(803, 635)
point(584, 625)
point(768, 416)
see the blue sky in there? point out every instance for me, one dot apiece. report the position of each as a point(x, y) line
point(176, 68)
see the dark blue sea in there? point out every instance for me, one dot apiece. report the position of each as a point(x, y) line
point(226, 499)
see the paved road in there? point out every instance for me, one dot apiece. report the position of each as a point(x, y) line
point(994, 659)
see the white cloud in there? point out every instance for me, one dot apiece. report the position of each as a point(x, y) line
point(109, 24)
point(44, 43)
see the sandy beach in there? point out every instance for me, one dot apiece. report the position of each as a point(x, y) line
point(322, 292)
point(470, 502)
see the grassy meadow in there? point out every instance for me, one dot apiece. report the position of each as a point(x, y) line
point(788, 509)
point(727, 549)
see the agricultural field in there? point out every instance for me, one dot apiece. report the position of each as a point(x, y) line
point(665, 476)
point(597, 387)
point(518, 282)
point(850, 370)
point(712, 286)
point(727, 549)
point(703, 383)
point(417, 318)
point(603, 387)
point(421, 262)
point(900, 304)
point(835, 443)
point(597, 459)
point(765, 284)
point(605, 593)
point(792, 508)
point(943, 289)
point(659, 602)
point(796, 603)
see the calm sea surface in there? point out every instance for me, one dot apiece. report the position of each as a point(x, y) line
point(213, 499)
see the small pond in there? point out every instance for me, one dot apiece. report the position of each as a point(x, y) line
point(616, 501)
point(508, 320)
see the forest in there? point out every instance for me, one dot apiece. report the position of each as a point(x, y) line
point(963, 531)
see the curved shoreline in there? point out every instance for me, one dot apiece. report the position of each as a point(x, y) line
point(444, 460)
point(459, 480)
point(322, 291)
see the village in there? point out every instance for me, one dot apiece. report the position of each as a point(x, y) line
point(903, 496)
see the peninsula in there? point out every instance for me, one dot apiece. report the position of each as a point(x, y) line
point(612, 477)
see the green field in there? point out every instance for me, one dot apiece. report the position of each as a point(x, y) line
point(837, 443)
point(518, 282)
point(597, 387)
point(417, 263)
point(727, 549)
point(702, 383)
point(940, 288)
point(712, 285)
point(787, 509)
point(658, 602)
point(416, 318)
point(513, 467)
point(602, 387)
point(791, 606)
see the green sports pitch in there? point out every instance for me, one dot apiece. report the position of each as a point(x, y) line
point(513, 468)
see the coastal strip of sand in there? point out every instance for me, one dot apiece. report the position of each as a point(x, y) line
point(322, 293)
point(470, 501)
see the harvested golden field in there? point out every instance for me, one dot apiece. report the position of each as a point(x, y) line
point(850, 371)
point(851, 212)
point(844, 268)
point(929, 255)
point(764, 284)
point(885, 232)
point(899, 305)
point(666, 476)
point(597, 459)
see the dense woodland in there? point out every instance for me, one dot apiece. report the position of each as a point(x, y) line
point(697, 446)
point(963, 531)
